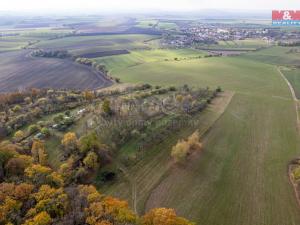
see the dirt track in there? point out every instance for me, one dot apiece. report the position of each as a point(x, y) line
point(19, 71)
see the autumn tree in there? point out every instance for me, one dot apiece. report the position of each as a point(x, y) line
point(12, 197)
point(118, 212)
point(106, 107)
point(194, 141)
point(17, 165)
point(40, 175)
point(164, 216)
point(180, 151)
point(89, 95)
point(19, 135)
point(91, 161)
point(5, 155)
point(69, 142)
point(184, 147)
point(38, 152)
point(42, 218)
point(67, 169)
point(54, 201)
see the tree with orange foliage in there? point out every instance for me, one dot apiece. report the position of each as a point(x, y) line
point(164, 216)
point(11, 198)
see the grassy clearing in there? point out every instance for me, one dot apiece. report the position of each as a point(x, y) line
point(120, 62)
point(241, 177)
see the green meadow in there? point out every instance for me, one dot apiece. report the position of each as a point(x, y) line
point(137, 57)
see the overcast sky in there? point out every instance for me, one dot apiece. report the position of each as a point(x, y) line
point(133, 5)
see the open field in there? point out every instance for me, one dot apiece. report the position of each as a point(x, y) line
point(19, 71)
point(247, 43)
point(236, 45)
point(275, 55)
point(115, 63)
point(167, 26)
point(147, 23)
point(240, 178)
point(88, 44)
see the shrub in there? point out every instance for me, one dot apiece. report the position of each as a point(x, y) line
point(106, 107)
point(19, 135)
point(184, 147)
point(296, 173)
point(45, 131)
point(180, 151)
point(33, 128)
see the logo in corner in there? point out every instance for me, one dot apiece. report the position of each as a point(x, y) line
point(286, 17)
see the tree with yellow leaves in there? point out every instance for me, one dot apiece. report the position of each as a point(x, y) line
point(180, 151)
point(41, 218)
point(91, 161)
point(19, 135)
point(69, 142)
point(184, 147)
point(38, 152)
point(164, 216)
point(54, 201)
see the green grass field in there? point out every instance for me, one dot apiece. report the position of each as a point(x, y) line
point(147, 23)
point(241, 176)
point(83, 44)
point(275, 55)
point(293, 76)
point(120, 62)
point(248, 43)
point(167, 26)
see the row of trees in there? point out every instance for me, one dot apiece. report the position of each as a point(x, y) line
point(62, 54)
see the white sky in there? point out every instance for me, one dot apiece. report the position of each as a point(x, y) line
point(125, 5)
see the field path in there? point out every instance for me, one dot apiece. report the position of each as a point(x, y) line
point(293, 95)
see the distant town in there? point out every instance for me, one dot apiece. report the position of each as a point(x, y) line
point(209, 34)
